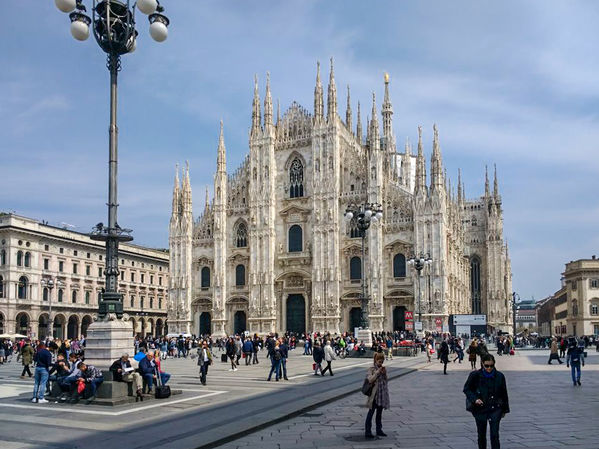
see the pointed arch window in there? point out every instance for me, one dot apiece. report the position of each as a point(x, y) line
point(399, 266)
point(354, 232)
point(240, 275)
point(296, 179)
point(355, 268)
point(205, 281)
point(241, 238)
point(295, 239)
point(22, 288)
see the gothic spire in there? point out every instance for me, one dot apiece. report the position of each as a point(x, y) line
point(487, 194)
point(318, 97)
point(495, 183)
point(332, 96)
point(256, 115)
point(374, 123)
point(176, 191)
point(267, 105)
point(436, 161)
point(278, 111)
point(221, 161)
point(420, 166)
point(206, 201)
point(460, 193)
point(359, 126)
point(387, 112)
point(186, 190)
point(348, 117)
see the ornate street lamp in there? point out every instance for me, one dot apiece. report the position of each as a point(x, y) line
point(418, 263)
point(515, 303)
point(364, 214)
point(113, 25)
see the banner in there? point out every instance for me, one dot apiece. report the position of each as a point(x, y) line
point(472, 320)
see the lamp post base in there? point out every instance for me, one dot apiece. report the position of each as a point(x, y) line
point(365, 336)
point(107, 340)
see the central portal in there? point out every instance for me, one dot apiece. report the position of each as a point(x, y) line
point(296, 314)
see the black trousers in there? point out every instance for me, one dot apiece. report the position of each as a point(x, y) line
point(248, 356)
point(26, 370)
point(379, 421)
point(328, 367)
point(255, 360)
point(481, 427)
point(204, 372)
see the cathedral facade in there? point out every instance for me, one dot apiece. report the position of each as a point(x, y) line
point(272, 251)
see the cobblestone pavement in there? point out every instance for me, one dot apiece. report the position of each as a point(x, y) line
point(428, 411)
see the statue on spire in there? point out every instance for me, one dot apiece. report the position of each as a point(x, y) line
point(318, 97)
point(348, 117)
point(332, 96)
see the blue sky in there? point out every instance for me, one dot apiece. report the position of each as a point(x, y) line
point(513, 83)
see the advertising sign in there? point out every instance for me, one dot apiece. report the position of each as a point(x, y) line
point(409, 326)
point(471, 320)
point(409, 315)
point(418, 325)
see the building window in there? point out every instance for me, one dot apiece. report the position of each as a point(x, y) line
point(60, 294)
point(45, 294)
point(74, 297)
point(151, 279)
point(142, 278)
point(87, 297)
point(241, 238)
point(141, 302)
point(594, 283)
point(354, 232)
point(132, 301)
point(61, 266)
point(75, 252)
point(296, 179)
point(1, 287)
point(122, 275)
point(61, 250)
point(159, 280)
point(160, 303)
point(3, 257)
point(151, 303)
point(100, 257)
point(100, 272)
point(399, 266)
point(574, 285)
point(596, 330)
point(574, 309)
point(46, 247)
point(295, 239)
point(22, 288)
point(475, 286)
point(240, 275)
point(88, 255)
point(88, 270)
point(355, 268)
point(205, 277)
point(594, 309)
point(46, 264)
point(74, 268)
point(99, 296)
point(19, 258)
point(132, 277)
point(28, 259)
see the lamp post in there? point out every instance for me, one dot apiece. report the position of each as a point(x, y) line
point(364, 214)
point(418, 263)
point(113, 25)
point(50, 283)
point(515, 306)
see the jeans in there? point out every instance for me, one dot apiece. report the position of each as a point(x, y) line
point(204, 372)
point(275, 367)
point(164, 377)
point(255, 360)
point(494, 418)
point(379, 420)
point(94, 384)
point(149, 378)
point(248, 357)
point(575, 370)
point(41, 379)
point(284, 367)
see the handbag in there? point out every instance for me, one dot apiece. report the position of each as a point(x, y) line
point(367, 387)
point(162, 391)
point(313, 366)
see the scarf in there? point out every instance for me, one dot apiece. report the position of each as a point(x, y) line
point(488, 375)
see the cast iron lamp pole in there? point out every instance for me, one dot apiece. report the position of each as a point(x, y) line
point(418, 263)
point(515, 302)
point(364, 214)
point(113, 25)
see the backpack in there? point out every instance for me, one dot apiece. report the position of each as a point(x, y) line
point(278, 355)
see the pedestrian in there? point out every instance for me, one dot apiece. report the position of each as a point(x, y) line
point(487, 400)
point(255, 349)
point(318, 357)
point(26, 359)
point(275, 361)
point(231, 350)
point(284, 356)
point(553, 355)
point(429, 350)
point(43, 360)
point(248, 347)
point(379, 396)
point(444, 355)
point(204, 361)
point(574, 358)
point(472, 351)
point(329, 356)
point(238, 349)
point(389, 344)
point(459, 349)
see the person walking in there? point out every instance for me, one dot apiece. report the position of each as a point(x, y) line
point(487, 400)
point(472, 351)
point(553, 355)
point(574, 358)
point(231, 350)
point(255, 349)
point(248, 347)
point(318, 357)
point(238, 349)
point(378, 398)
point(429, 350)
point(204, 361)
point(444, 355)
point(26, 359)
point(329, 356)
point(389, 344)
point(459, 349)
point(43, 360)
point(275, 361)
point(284, 356)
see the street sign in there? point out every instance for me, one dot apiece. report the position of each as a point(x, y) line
point(438, 321)
point(409, 325)
point(418, 325)
point(409, 315)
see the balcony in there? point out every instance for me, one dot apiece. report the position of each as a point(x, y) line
point(295, 258)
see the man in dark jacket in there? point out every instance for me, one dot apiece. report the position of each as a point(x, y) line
point(93, 377)
point(248, 347)
point(147, 369)
point(43, 361)
point(487, 399)
point(255, 349)
point(122, 371)
point(231, 351)
point(444, 355)
point(318, 356)
point(284, 355)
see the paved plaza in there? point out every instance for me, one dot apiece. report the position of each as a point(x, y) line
point(241, 410)
point(428, 411)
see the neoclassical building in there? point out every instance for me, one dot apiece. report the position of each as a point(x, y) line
point(271, 250)
point(33, 253)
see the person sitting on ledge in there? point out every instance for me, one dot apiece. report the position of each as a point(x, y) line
point(123, 372)
point(147, 369)
point(91, 376)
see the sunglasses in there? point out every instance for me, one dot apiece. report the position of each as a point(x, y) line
point(488, 366)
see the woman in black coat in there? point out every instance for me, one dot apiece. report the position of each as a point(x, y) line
point(444, 355)
point(487, 399)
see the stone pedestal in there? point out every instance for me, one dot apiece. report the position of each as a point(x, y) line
point(365, 335)
point(107, 340)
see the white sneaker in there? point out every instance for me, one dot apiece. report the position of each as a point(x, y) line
point(234, 369)
point(231, 369)
point(42, 401)
point(34, 400)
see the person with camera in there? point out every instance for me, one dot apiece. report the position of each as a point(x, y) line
point(378, 399)
point(204, 361)
point(574, 358)
point(487, 400)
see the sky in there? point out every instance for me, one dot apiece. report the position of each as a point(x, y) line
point(511, 83)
